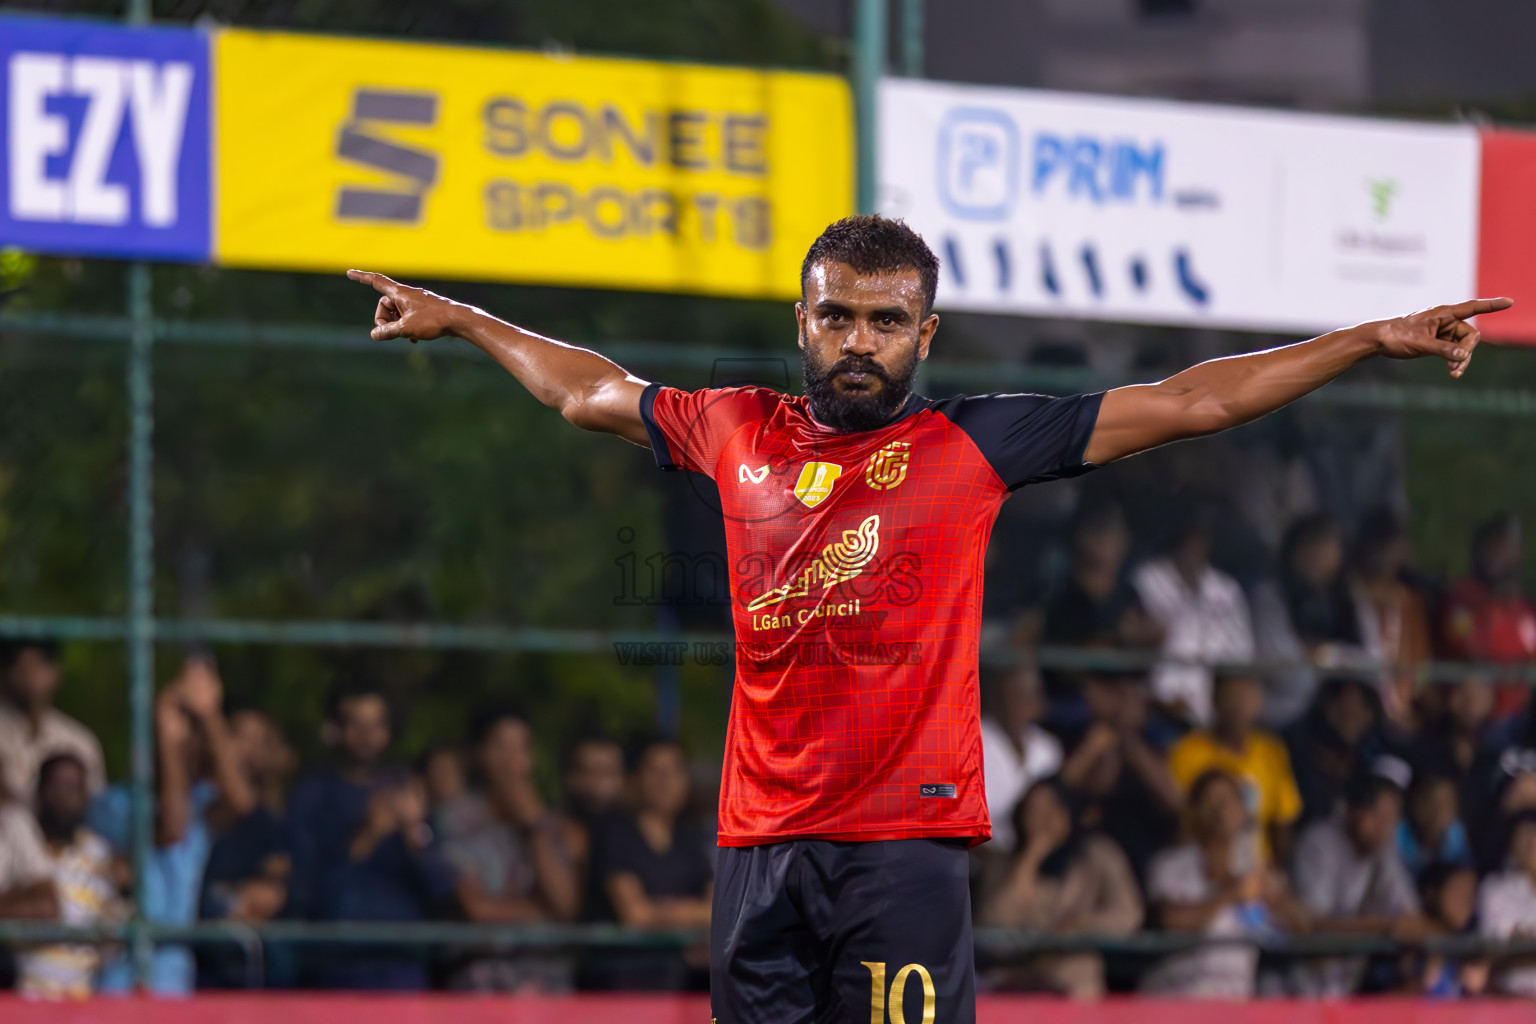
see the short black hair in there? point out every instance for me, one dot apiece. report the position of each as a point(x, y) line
point(486, 718)
point(351, 686)
point(872, 244)
point(10, 650)
point(587, 738)
point(1307, 530)
point(642, 745)
point(1494, 528)
point(1365, 788)
point(53, 761)
point(1212, 777)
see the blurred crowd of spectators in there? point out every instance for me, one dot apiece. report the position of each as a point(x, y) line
point(1276, 772)
point(1323, 793)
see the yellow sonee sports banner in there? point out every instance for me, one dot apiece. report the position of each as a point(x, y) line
point(468, 163)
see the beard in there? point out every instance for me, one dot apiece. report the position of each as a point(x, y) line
point(58, 828)
point(856, 410)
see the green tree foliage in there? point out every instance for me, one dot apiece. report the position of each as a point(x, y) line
point(405, 487)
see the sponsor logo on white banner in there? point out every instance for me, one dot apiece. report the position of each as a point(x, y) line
point(1063, 205)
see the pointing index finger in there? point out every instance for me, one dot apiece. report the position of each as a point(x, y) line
point(1475, 307)
point(380, 283)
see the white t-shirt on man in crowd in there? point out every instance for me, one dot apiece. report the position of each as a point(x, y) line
point(1507, 910)
point(1009, 774)
point(1203, 625)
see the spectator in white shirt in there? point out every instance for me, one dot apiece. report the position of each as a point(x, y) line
point(1218, 884)
point(1349, 875)
point(26, 882)
point(1016, 753)
point(31, 728)
point(1507, 909)
point(1203, 614)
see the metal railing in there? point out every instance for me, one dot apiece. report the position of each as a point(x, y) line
point(992, 944)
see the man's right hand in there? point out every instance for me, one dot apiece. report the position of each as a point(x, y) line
point(412, 313)
point(590, 391)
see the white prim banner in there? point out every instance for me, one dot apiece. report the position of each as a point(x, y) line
point(1054, 204)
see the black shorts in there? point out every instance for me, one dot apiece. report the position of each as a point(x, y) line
point(815, 932)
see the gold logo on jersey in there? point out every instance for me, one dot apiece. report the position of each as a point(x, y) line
point(816, 481)
point(838, 562)
point(888, 467)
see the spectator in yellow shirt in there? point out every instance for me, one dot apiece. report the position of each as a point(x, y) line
point(1257, 759)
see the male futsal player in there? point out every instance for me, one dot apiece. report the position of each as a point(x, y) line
point(856, 520)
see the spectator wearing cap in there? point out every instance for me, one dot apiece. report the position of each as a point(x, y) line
point(1488, 615)
point(1507, 909)
point(1015, 751)
point(1118, 771)
point(1348, 874)
point(1513, 796)
point(1255, 758)
point(1202, 613)
point(1220, 885)
point(1061, 881)
point(31, 728)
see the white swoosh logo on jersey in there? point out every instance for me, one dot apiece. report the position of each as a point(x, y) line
point(756, 476)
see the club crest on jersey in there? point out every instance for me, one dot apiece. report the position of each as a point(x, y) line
point(815, 483)
point(751, 476)
point(887, 468)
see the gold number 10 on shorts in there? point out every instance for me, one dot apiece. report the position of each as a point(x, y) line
point(877, 997)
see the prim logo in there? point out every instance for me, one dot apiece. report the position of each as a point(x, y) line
point(751, 476)
point(415, 170)
point(887, 468)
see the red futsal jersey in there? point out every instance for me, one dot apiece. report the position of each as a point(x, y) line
point(855, 581)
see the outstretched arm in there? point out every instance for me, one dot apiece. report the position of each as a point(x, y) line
point(592, 392)
point(1223, 393)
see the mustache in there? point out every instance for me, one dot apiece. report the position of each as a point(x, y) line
point(858, 364)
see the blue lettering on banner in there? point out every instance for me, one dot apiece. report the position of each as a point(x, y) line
point(1099, 170)
point(105, 133)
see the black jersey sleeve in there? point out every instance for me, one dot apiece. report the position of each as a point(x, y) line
point(1027, 438)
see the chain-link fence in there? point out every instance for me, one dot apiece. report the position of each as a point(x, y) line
point(298, 499)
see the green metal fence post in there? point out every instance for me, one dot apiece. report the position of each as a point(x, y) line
point(869, 42)
point(912, 38)
point(141, 594)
